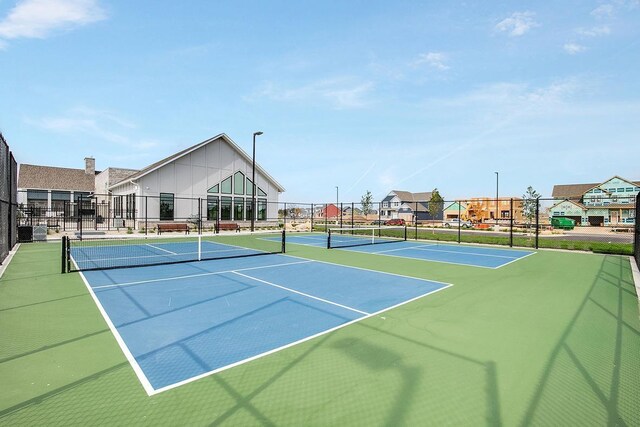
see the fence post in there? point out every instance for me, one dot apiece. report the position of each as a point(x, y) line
point(312, 213)
point(459, 219)
point(537, 220)
point(352, 213)
point(284, 217)
point(511, 224)
point(109, 215)
point(379, 218)
point(64, 215)
point(341, 214)
point(146, 215)
point(80, 215)
point(415, 221)
point(199, 215)
point(326, 217)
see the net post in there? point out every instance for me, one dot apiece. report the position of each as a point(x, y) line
point(329, 239)
point(405, 232)
point(64, 255)
point(284, 241)
point(68, 256)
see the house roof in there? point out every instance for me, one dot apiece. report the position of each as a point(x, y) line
point(157, 165)
point(576, 191)
point(53, 178)
point(578, 204)
point(407, 196)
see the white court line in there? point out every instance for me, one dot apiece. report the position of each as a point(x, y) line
point(146, 384)
point(302, 293)
point(266, 353)
point(420, 259)
point(212, 273)
point(420, 248)
point(517, 259)
point(160, 249)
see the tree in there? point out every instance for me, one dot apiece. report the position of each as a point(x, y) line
point(367, 202)
point(529, 204)
point(436, 204)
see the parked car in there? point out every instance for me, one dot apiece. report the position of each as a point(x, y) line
point(456, 223)
point(377, 222)
point(395, 221)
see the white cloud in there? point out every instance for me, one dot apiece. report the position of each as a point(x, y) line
point(594, 31)
point(603, 11)
point(573, 48)
point(518, 24)
point(341, 93)
point(39, 18)
point(433, 59)
point(94, 125)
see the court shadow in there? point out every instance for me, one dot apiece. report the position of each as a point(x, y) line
point(590, 361)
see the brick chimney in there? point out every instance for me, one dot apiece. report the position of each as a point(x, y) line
point(89, 165)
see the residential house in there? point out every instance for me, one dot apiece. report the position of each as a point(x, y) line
point(607, 203)
point(481, 209)
point(455, 210)
point(408, 206)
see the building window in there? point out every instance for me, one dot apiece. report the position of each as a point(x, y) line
point(261, 193)
point(238, 183)
point(131, 206)
point(262, 209)
point(214, 189)
point(37, 200)
point(620, 190)
point(59, 199)
point(238, 209)
point(249, 187)
point(249, 210)
point(166, 206)
point(225, 208)
point(226, 186)
point(629, 189)
point(117, 206)
point(212, 208)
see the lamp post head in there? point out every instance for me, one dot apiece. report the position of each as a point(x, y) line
point(257, 133)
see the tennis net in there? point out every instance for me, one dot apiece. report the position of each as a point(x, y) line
point(122, 252)
point(360, 236)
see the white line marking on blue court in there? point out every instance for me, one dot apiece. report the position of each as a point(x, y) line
point(421, 248)
point(302, 293)
point(160, 249)
point(189, 276)
point(344, 325)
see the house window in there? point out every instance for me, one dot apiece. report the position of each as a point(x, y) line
point(226, 186)
point(59, 199)
point(166, 206)
point(238, 183)
point(225, 208)
point(629, 189)
point(238, 209)
point(385, 204)
point(212, 208)
point(620, 190)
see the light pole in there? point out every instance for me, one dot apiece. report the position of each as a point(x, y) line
point(253, 182)
point(497, 209)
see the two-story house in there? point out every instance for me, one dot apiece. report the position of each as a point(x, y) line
point(408, 206)
point(608, 203)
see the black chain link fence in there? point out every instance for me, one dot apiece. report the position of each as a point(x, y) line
point(8, 194)
point(535, 223)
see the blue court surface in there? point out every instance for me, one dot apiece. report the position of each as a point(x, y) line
point(180, 322)
point(471, 255)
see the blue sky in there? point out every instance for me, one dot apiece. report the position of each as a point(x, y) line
point(364, 95)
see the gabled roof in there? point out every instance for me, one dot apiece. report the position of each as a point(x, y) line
point(406, 196)
point(53, 178)
point(576, 191)
point(157, 165)
point(578, 204)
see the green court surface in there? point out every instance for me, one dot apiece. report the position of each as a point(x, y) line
point(552, 339)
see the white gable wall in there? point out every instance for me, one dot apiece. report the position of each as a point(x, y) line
point(190, 176)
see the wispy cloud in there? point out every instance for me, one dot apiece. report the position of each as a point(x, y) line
point(40, 18)
point(341, 93)
point(573, 48)
point(437, 60)
point(95, 125)
point(518, 24)
point(594, 31)
point(603, 11)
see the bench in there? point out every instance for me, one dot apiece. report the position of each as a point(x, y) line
point(173, 226)
point(229, 226)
